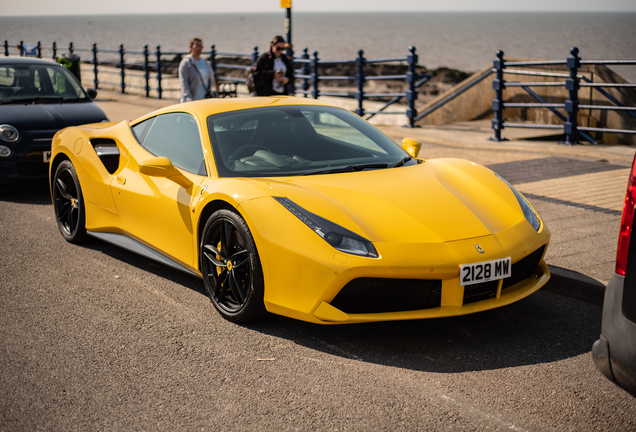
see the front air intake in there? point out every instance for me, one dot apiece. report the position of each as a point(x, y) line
point(377, 295)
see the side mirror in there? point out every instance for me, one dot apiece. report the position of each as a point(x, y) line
point(162, 167)
point(411, 146)
point(92, 93)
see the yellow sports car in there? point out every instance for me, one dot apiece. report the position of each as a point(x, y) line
point(298, 208)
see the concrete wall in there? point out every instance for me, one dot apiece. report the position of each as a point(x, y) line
point(473, 104)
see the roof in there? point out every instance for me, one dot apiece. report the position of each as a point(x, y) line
point(26, 60)
point(207, 107)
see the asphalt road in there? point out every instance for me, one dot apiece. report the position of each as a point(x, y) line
point(94, 337)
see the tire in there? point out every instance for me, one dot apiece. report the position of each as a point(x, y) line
point(68, 203)
point(231, 268)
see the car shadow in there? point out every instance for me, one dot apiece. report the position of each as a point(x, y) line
point(178, 277)
point(27, 192)
point(543, 328)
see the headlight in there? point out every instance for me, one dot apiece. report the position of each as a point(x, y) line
point(528, 212)
point(339, 237)
point(8, 133)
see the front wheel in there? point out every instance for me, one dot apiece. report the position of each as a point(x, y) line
point(68, 203)
point(231, 268)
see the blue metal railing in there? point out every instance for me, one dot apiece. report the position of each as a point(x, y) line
point(312, 79)
point(138, 64)
point(571, 105)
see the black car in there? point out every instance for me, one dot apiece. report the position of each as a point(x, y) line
point(37, 98)
point(615, 351)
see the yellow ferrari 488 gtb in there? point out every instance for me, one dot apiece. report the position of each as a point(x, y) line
point(302, 209)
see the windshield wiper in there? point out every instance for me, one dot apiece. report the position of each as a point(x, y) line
point(77, 99)
point(350, 168)
point(33, 99)
point(402, 161)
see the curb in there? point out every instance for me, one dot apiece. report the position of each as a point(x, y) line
point(575, 285)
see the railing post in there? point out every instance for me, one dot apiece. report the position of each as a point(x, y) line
point(95, 67)
point(255, 55)
point(21, 48)
point(6, 48)
point(70, 47)
point(147, 70)
point(39, 49)
point(498, 85)
point(572, 104)
point(305, 71)
point(54, 49)
point(315, 78)
point(360, 62)
point(411, 79)
point(213, 58)
point(122, 72)
point(158, 67)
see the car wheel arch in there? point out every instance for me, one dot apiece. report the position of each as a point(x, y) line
point(61, 157)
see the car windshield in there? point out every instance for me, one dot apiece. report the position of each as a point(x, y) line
point(299, 140)
point(38, 83)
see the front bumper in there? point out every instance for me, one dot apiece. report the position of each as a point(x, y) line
point(615, 351)
point(29, 157)
point(304, 275)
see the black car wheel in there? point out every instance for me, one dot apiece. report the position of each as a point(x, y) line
point(231, 267)
point(68, 203)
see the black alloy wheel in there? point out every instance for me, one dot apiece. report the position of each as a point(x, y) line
point(68, 203)
point(231, 268)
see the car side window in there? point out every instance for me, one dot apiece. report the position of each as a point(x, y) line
point(175, 136)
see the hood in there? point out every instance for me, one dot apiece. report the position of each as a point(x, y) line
point(439, 200)
point(50, 116)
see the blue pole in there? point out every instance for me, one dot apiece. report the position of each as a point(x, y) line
point(288, 30)
point(21, 48)
point(360, 62)
point(158, 67)
point(122, 72)
point(498, 85)
point(314, 76)
point(572, 104)
point(147, 70)
point(255, 55)
point(411, 79)
point(213, 58)
point(95, 69)
point(305, 70)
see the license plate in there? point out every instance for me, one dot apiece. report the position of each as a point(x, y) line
point(46, 156)
point(470, 274)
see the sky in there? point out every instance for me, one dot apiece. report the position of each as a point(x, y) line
point(88, 7)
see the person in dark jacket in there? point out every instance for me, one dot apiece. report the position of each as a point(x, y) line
point(273, 73)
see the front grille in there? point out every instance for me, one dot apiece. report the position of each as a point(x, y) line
point(33, 169)
point(376, 295)
point(522, 269)
point(480, 291)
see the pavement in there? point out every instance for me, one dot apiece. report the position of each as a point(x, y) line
point(577, 190)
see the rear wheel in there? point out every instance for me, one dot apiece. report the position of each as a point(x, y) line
point(231, 267)
point(68, 203)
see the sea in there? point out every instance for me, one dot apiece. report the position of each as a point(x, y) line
point(458, 40)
